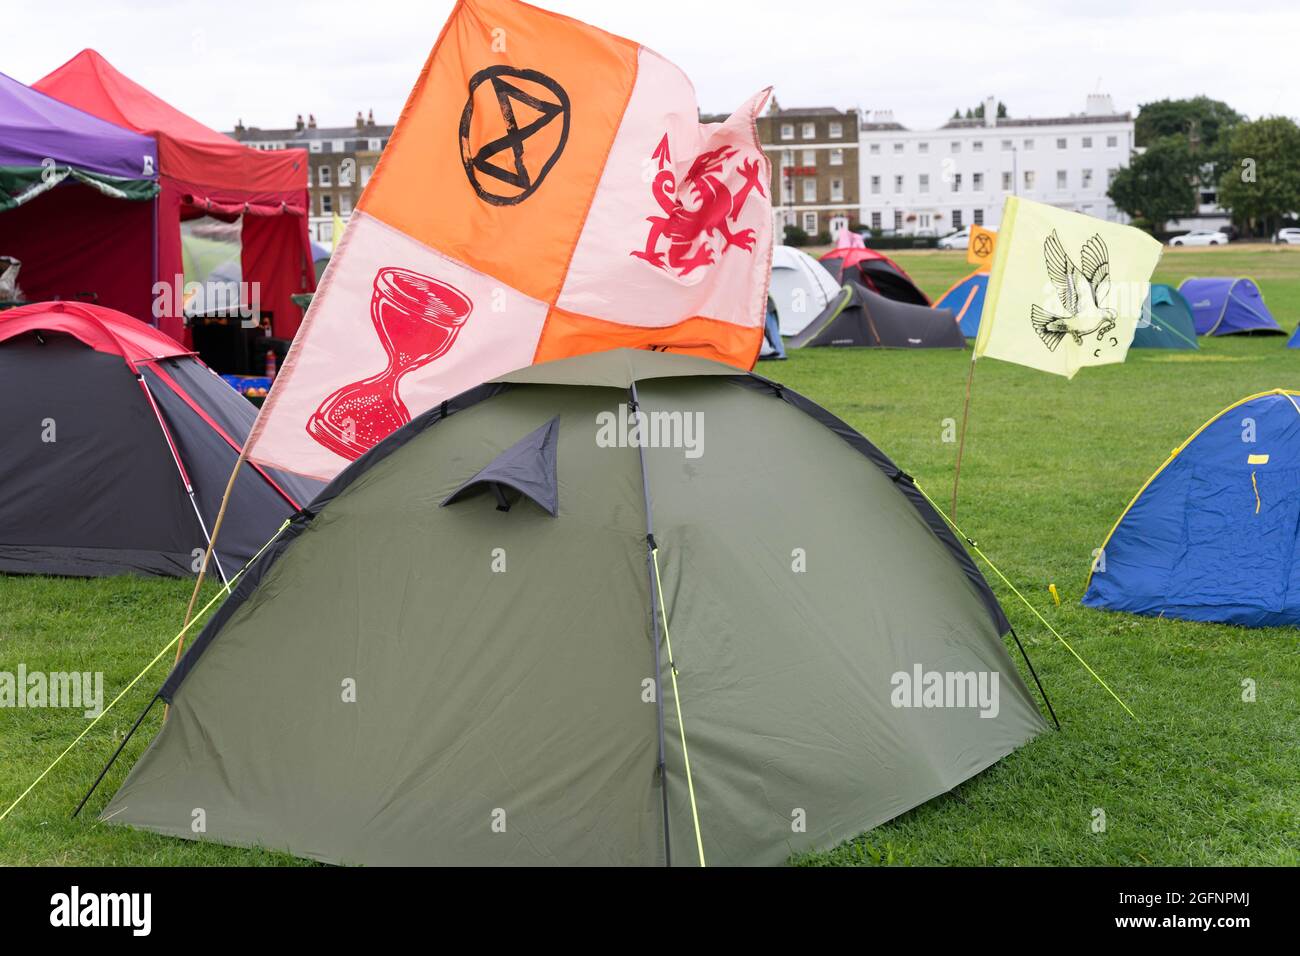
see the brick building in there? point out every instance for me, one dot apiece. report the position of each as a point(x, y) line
point(815, 179)
point(341, 161)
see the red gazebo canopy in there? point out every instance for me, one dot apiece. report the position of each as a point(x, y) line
point(204, 172)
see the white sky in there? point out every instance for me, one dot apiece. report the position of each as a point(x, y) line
point(267, 60)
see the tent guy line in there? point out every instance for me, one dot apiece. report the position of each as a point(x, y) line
point(221, 592)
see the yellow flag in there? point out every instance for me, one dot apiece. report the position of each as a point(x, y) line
point(979, 251)
point(1065, 290)
point(338, 229)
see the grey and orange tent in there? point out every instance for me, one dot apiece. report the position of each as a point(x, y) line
point(116, 444)
point(571, 617)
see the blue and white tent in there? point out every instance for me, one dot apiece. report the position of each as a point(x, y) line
point(1212, 535)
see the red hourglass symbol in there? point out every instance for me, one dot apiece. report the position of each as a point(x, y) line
point(417, 318)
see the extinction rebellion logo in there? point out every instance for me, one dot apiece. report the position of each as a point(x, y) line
point(526, 125)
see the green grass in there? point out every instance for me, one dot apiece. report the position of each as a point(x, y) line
point(1200, 778)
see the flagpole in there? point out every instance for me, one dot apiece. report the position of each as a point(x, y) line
point(961, 442)
point(207, 554)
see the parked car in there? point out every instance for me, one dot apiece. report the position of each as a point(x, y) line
point(1290, 236)
point(958, 240)
point(1200, 237)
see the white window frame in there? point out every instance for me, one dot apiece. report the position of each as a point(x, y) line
point(787, 130)
point(837, 130)
point(837, 157)
point(808, 131)
point(808, 189)
point(809, 222)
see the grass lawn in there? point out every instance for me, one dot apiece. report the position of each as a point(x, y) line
point(1200, 778)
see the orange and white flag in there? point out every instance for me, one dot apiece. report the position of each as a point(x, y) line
point(548, 191)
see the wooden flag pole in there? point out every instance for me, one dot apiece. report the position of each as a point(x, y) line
point(207, 554)
point(961, 442)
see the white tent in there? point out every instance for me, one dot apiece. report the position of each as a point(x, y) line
point(801, 288)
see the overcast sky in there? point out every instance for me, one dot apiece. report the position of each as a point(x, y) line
point(267, 60)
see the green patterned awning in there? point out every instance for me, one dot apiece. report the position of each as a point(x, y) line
point(22, 184)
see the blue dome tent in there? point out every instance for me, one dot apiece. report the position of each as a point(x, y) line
point(1211, 536)
point(1166, 321)
point(1222, 305)
point(965, 300)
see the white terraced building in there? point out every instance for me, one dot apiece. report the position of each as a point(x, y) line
point(934, 182)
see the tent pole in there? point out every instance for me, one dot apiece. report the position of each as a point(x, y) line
point(633, 405)
point(116, 753)
point(961, 444)
point(1034, 674)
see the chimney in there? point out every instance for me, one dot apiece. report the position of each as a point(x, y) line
point(298, 125)
point(1100, 104)
point(311, 120)
point(361, 121)
point(239, 127)
point(882, 116)
point(370, 120)
point(990, 111)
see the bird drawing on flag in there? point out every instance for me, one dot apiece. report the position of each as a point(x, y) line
point(1083, 292)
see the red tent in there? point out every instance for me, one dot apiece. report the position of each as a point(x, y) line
point(877, 272)
point(202, 173)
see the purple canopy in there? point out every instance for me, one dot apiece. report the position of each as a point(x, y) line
point(35, 127)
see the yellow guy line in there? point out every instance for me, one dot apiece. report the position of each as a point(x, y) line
point(677, 700)
point(1023, 600)
point(224, 590)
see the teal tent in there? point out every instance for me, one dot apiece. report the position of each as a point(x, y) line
point(1166, 321)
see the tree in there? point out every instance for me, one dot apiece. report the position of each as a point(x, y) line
point(977, 112)
point(1205, 122)
point(1260, 181)
point(1156, 186)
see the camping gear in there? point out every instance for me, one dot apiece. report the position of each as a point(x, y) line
point(203, 172)
point(861, 318)
point(965, 300)
point(1211, 536)
point(76, 202)
point(571, 645)
point(801, 288)
point(1166, 321)
point(115, 447)
point(876, 271)
point(1222, 305)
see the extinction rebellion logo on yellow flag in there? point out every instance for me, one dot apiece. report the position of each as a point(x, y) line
point(979, 251)
point(1065, 290)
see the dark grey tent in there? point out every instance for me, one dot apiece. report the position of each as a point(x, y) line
point(116, 445)
point(572, 617)
point(858, 317)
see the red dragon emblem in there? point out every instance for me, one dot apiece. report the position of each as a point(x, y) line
point(693, 233)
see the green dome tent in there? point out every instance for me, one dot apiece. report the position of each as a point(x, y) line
point(1166, 321)
point(572, 617)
